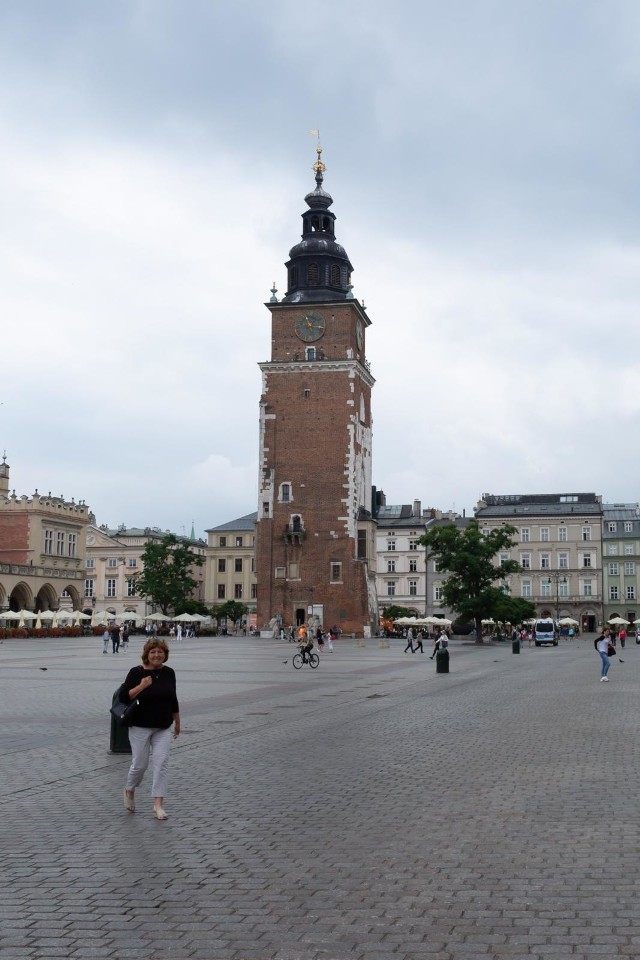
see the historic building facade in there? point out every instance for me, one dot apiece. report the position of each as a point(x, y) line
point(42, 550)
point(314, 536)
point(230, 572)
point(621, 561)
point(114, 562)
point(559, 549)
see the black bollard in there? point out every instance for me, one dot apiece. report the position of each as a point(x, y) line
point(515, 646)
point(442, 660)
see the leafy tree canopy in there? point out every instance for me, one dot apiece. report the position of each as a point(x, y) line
point(232, 610)
point(514, 610)
point(166, 578)
point(394, 611)
point(473, 584)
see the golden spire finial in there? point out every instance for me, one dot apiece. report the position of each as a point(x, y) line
point(318, 166)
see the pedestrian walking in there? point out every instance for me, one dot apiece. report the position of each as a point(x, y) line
point(125, 637)
point(419, 645)
point(622, 637)
point(105, 640)
point(330, 641)
point(153, 685)
point(115, 638)
point(409, 645)
point(605, 649)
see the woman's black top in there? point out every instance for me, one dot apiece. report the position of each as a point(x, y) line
point(158, 703)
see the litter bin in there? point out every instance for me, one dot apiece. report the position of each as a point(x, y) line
point(515, 646)
point(442, 660)
point(119, 740)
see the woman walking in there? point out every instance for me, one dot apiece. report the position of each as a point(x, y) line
point(601, 644)
point(154, 686)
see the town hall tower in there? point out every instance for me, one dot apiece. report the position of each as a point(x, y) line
point(314, 535)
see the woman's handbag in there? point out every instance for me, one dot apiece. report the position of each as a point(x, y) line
point(125, 712)
point(611, 650)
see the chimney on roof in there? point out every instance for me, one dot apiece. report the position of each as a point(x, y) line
point(417, 508)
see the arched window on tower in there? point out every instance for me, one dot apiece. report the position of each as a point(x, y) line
point(335, 275)
point(285, 492)
point(313, 274)
point(296, 523)
point(315, 223)
point(326, 224)
point(293, 277)
point(310, 353)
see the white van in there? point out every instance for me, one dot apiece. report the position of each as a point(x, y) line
point(545, 632)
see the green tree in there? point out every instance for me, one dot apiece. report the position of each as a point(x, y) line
point(166, 578)
point(514, 610)
point(474, 585)
point(394, 611)
point(232, 610)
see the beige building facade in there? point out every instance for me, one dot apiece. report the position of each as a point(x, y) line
point(114, 562)
point(559, 549)
point(230, 572)
point(42, 550)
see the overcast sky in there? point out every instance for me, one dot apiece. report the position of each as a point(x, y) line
point(483, 157)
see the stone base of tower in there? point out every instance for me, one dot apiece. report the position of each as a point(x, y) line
point(345, 606)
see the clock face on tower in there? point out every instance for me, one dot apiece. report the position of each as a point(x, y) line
point(310, 326)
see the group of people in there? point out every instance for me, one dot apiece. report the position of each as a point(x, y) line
point(303, 634)
point(118, 634)
point(440, 642)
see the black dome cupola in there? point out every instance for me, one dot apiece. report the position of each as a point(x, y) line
point(318, 268)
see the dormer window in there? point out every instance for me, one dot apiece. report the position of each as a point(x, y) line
point(313, 274)
point(335, 275)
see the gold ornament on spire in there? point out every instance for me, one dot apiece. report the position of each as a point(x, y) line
point(318, 166)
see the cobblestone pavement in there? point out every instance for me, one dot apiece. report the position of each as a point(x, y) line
point(367, 809)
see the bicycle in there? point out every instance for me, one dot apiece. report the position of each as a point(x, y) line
point(312, 659)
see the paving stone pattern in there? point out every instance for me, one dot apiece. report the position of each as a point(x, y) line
point(369, 809)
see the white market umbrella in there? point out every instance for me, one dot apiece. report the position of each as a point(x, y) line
point(618, 621)
point(46, 615)
point(183, 618)
point(158, 616)
point(200, 618)
point(103, 616)
point(10, 615)
point(442, 621)
point(25, 615)
point(488, 623)
point(568, 622)
point(79, 615)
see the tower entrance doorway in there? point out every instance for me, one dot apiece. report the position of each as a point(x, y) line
point(300, 616)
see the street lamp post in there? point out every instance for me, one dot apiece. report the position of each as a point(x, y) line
point(558, 579)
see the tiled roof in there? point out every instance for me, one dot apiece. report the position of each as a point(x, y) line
point(247, 522)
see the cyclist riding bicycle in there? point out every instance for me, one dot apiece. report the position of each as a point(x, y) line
point(305, 649)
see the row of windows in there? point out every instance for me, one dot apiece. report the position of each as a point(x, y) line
point(392, 587)
point(240, 541)
point(413, 565)
point(413, 545)
point(336, 276)
point(111, 588)
point(292, 572)
point(238, 564)
point(111, 562)
point(563, 534)
point(614, 593)
point(65, 543)
point(237, 591)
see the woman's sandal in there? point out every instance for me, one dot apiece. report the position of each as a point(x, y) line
point(160, 814)
point(129, 802)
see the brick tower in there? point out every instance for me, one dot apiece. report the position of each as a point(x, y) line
point(314, 535)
